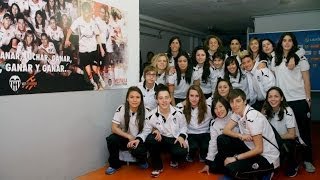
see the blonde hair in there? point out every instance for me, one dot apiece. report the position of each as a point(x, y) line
point(243, 54)
point(155, 59)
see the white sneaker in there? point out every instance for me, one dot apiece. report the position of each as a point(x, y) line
point(102, 83)
point(156, 173)
point(174, 164)
point(95, 85)
point(309, 167)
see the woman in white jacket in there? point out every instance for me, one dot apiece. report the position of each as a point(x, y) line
point(198, 117)
point(221, 112)
point(295, 84)
point(282, 118)
point(165, 128)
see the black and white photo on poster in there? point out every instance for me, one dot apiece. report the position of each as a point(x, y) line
point(62, 45)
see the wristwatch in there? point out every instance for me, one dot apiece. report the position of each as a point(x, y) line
point(236, 157)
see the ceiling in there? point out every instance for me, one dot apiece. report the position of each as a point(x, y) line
point(220, 16)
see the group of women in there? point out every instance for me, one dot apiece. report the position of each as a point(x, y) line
point(219, 105)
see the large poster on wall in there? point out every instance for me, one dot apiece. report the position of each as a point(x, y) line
point(309, 40)
point(62, 45)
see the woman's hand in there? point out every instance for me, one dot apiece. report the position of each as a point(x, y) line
point(245, 137)
point(291, 64)
point(103, 53)
point(133, 144)
point(181, 141)
point(229, 160)
point(158, 135)
point(205, 169)
point(67, 43)
point(262, 65)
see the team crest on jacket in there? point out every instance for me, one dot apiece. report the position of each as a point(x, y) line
point(175, 120)
point(255, 166)
point(244, 124)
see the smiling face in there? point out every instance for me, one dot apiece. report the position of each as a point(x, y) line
point(175, 45)
point(200, 56)
point(232, 68)
point(267, 47)
point(194, 98)
point(183, 63)
point(223, 89)
point(53, 24)
point(247, 63)
point(51, 3)
point(87, 13)
point(287, 43)
point(44, 41)
point(164, 100)
point(235, 46)
point(218, 63)
point(254, 45)
point(162, 63)
point(213, 44)
point(6, 22)
point(21, 25)
point(220, 110)
point(29, 39)
point(238, 105)
point(151, 77)
point(102, 13)
point(39, 18)
point(14, 10)
point(134, 100)
point(274, 99)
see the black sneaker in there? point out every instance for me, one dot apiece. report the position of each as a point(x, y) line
point(189, 159)
point(268, 176)
point(292, 172)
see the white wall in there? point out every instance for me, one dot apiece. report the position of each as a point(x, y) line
point(155, 35)
point(62, 135)
point(287, 22)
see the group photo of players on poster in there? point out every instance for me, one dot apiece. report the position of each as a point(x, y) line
point(61, 45)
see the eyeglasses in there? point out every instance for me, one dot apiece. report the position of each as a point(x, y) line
point(151, 74)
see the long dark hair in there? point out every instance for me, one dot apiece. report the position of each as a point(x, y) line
point(206, 65)
point(202, 106)
point(279, 49)
point(43, 21)
point(231, 39)
point(33, 43)
point(10, 9)
point(63, 5)
point(229, 61)
point(140, 112)
point(283, 105)
point(188, 73)
point(223, 101)
point(263, 55)
point(54, 8)
point(216, 93)
point(169, 53)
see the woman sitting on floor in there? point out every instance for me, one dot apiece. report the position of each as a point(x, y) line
point(127, 122)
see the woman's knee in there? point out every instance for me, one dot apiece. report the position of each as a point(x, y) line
point(151, 140)
point(222, 140)
point(113, 138)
